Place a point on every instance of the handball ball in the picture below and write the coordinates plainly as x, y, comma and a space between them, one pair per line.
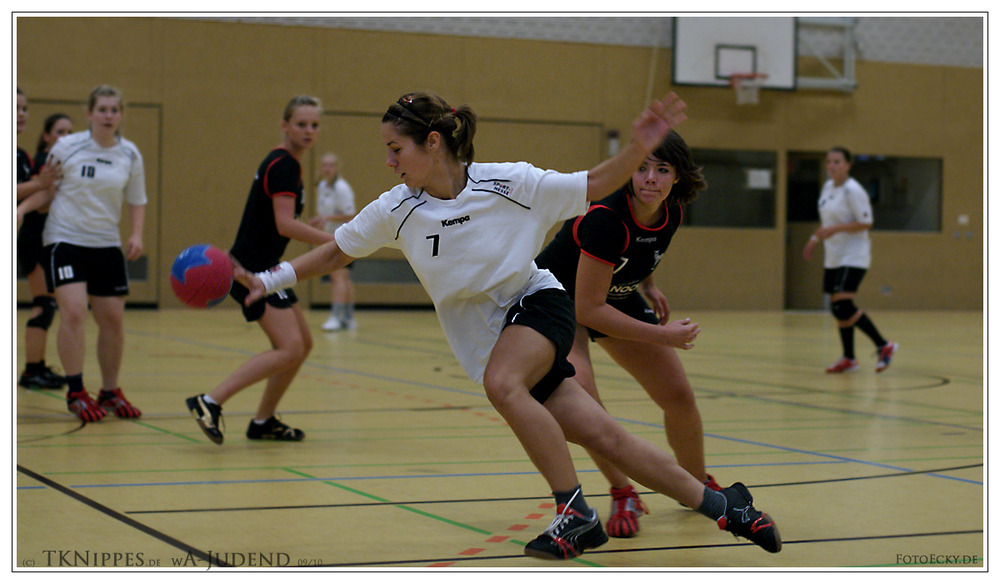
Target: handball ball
201, 276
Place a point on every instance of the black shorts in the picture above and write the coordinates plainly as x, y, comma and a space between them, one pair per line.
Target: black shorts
633, 305
30, 251
550, 312
842, 279
280, 299
102, 268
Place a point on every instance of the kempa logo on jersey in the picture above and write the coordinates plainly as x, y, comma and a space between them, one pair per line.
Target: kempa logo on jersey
645, 240
455, 221
102, 161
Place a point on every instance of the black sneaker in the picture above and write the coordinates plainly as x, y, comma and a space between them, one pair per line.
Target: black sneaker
274, 429
569, 534
208, 416
741, 519
45, 379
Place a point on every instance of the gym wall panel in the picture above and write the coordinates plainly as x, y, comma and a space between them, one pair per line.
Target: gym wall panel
222, 87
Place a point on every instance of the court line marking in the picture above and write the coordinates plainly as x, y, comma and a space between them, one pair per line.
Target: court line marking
594, 552
425, 514
531, 472
385, 502
191, 550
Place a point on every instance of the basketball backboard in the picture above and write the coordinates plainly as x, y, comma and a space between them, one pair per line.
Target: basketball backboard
708, 50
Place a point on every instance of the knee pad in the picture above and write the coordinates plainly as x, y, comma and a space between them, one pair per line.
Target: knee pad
843, 309
44, 319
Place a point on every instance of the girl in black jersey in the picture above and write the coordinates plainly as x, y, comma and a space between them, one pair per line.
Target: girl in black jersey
606, 259
270, 221
32, 177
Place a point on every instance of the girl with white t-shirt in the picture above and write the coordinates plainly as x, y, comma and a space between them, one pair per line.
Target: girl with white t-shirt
334, 207
471, 232
86, 260
845, 214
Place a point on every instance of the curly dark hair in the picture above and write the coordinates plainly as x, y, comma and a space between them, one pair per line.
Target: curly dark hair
675, 151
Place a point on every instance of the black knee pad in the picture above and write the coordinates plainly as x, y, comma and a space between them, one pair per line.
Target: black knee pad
44, 319
843, 309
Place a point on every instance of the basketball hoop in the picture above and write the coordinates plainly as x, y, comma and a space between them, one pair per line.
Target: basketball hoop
747, 86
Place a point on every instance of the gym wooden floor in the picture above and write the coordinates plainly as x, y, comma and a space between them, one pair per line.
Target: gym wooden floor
406, 465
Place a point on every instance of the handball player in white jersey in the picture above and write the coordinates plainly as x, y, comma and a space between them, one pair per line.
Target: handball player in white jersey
845, 214
471, 232
86, 263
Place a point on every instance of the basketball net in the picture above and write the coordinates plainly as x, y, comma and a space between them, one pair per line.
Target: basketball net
747, 86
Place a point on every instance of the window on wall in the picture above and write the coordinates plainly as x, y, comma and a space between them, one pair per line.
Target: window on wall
741, 189
905, 192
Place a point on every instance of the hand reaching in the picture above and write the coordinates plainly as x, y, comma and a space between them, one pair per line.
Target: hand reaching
50, 173
249, 280
656, 121
681, 334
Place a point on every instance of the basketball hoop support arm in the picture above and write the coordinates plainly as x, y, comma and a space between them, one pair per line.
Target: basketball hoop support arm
842, 80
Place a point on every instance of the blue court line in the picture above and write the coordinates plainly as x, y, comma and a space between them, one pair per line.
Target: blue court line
366, 478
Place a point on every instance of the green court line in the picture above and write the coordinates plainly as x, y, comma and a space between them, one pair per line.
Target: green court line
423, 513
165, 431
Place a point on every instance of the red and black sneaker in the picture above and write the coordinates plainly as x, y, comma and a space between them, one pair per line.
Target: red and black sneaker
842, 365
710, 483
626, 507
112, 400
569, 534
885, 354
84, 406
741, 519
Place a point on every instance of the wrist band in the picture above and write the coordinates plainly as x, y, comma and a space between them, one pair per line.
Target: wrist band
277, 278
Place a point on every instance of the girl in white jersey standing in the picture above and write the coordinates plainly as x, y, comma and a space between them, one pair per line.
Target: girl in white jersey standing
845, 214
334, 207
86, 261
471, 232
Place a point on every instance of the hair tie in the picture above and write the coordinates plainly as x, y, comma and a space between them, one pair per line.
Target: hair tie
452, 111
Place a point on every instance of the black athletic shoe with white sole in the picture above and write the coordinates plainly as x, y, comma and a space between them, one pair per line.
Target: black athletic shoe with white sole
274, 429
44, 379
569, 534
208, 416
741, 519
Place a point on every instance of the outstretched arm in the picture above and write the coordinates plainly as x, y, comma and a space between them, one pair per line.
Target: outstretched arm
324, 259
648, 131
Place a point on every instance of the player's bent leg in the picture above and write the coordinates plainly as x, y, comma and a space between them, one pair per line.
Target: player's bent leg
626, 506
586, 423
289, 334
520, 358
732, 509
660, 372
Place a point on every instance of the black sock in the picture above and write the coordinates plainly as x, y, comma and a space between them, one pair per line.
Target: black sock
75, 382
868, 327
573, 498
847, 340
713, 504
